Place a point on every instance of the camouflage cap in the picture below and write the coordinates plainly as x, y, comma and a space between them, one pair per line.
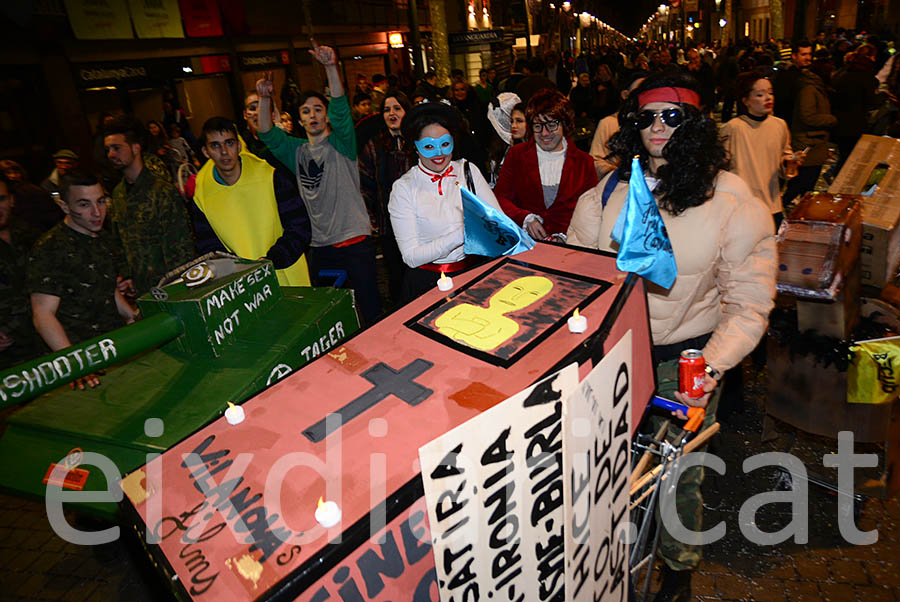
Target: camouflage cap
65, 153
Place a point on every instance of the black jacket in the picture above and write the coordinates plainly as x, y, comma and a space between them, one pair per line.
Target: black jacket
786, 86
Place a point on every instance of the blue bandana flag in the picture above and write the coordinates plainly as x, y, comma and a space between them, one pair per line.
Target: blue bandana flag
644, 246
489, 231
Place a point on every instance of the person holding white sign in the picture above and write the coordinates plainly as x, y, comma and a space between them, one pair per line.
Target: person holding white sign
723, 241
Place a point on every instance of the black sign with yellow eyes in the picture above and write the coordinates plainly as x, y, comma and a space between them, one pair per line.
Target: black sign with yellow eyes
506, 312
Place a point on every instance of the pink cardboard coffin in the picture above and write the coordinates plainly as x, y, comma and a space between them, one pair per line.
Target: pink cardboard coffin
229, 512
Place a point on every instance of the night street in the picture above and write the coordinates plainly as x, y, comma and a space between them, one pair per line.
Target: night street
38, 565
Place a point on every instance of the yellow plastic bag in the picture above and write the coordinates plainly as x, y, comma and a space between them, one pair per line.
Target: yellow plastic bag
874, 372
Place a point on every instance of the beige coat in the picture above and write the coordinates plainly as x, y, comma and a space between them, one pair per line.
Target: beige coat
726, 257
757, 150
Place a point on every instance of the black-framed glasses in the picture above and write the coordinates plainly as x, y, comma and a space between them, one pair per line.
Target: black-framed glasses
550, 126
671, 117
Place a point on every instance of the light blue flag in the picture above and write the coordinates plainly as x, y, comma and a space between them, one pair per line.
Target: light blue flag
489, 231
644, 246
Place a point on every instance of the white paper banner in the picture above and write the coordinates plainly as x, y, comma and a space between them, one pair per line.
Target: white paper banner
494, 487
597, 446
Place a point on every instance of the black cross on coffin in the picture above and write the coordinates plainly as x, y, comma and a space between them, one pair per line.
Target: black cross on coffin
387, 381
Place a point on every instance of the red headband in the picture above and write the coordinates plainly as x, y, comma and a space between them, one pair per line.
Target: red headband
669, 94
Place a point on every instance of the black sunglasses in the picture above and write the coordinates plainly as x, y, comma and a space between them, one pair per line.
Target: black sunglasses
671, 117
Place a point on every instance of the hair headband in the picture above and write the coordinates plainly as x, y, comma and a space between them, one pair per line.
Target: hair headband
669, 94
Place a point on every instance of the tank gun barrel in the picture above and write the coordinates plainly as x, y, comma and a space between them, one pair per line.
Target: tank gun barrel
28, 380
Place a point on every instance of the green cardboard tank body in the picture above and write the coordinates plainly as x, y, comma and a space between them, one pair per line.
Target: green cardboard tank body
196, 349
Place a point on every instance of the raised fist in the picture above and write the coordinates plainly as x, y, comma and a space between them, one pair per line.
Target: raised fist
264, 86
324, 54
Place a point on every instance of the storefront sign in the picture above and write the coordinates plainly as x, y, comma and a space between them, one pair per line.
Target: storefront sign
127, 74
263, 60
201, 18
395, 39
156, 18
215, 63
98, 75
99, 21
473, 38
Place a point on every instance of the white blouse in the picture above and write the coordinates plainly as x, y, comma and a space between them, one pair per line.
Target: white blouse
427, 216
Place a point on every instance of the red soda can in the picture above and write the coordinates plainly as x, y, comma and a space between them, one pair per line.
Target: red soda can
691, 373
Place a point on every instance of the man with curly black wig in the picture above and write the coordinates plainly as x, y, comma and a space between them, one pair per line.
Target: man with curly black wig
724, 246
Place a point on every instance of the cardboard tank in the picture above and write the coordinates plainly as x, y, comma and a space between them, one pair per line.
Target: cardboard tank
220, 330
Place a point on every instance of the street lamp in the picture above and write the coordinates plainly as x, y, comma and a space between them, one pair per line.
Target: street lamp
664, 12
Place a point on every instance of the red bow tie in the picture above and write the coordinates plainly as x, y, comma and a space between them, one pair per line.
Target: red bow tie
439, 178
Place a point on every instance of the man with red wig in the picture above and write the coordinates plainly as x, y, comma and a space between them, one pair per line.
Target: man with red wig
541, 180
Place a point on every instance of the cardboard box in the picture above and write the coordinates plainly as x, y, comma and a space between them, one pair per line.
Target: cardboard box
863, 164
812, 397
873, 170
880, 251
836, 318
818, 245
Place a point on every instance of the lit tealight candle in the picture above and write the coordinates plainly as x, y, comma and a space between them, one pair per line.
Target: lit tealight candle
445, 282
327, 513
577, 323
234, 414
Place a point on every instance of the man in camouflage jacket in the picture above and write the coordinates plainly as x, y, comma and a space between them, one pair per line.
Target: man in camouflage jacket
73, 271
147, 214
17, 342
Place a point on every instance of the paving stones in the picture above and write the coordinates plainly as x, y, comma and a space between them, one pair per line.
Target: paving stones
824, 568
802, 590
875, 593
837, 592
39, 565
848, 571
884, 573
765, 589
782, 569
813, 570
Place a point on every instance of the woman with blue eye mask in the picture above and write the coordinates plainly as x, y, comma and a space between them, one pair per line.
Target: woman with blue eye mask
426, 203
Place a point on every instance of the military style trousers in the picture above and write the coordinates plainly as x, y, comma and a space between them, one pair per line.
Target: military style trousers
678, 555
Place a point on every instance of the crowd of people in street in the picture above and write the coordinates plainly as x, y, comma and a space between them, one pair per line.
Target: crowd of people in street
331, 179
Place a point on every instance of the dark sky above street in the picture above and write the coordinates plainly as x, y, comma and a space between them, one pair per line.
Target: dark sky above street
627, 16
